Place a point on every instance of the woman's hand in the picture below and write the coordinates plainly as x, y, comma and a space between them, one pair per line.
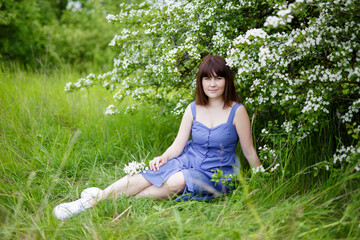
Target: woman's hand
157, 162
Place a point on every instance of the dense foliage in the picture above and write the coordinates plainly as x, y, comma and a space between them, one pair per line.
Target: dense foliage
41, 33
297, 64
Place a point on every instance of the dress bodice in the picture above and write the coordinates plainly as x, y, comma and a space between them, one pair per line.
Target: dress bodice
215, 146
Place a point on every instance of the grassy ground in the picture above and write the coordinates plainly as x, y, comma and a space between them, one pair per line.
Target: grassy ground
53, 145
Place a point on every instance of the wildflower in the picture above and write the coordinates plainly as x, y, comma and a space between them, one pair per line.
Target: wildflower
111, 110
74, 6
68, 87
134, 167
275, 167
258, 169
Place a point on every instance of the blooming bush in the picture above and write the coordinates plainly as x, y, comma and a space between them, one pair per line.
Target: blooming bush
296, 60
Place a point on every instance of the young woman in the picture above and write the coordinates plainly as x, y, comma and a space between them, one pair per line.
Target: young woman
216, 121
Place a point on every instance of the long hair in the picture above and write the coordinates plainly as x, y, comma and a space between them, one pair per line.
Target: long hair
213, 66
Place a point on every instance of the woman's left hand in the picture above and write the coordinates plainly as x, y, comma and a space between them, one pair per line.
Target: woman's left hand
157, 162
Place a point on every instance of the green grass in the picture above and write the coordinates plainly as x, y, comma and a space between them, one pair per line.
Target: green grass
53, 145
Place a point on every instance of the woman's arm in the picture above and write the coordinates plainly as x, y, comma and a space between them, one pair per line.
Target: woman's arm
243, 129
179, 143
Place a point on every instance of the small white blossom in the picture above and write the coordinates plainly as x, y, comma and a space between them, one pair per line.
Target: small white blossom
134, 167
275, 167
74, 6
258, 169
68, 87
111, 110
287, 126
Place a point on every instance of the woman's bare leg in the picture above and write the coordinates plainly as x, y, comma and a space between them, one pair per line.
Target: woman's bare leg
128, 185
174, 185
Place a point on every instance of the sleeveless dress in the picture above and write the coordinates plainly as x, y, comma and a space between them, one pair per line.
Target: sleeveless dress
209, 149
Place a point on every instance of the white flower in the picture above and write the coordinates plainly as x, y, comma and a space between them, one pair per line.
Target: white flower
111, 110
135, 167
287, 126
258, 169
74, 6
256, 32
275, 167
111, 17
68, 86
273, 21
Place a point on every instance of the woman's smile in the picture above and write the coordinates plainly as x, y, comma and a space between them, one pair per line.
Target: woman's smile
213, 86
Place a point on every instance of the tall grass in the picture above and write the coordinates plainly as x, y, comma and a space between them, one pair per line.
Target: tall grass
54, 145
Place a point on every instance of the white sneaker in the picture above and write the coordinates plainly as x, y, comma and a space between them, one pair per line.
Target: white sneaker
90, 193
67, 210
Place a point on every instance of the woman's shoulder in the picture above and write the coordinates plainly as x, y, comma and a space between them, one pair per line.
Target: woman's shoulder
240, 111
233, 103
189, 111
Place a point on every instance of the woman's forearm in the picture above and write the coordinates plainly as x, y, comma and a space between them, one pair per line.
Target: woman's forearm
171, 152
252, 158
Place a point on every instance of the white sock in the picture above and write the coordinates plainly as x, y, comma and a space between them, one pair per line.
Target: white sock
90, 192
67, 210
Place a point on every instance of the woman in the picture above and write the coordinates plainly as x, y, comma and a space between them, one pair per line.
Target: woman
216, 121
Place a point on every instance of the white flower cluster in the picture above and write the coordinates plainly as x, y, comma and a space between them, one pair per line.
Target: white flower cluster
111, 18
250, 36
258, 169
302, 135
345, 153
353, 110
268, 151
288, 126
111, 110
119, 95
354, 72
179, 108
134, 167
284, 15
274, 167
74, 6
130, 109
265, 132
81, 83
256, 32
314, 103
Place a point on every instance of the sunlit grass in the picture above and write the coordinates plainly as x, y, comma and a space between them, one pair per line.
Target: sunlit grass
53, 145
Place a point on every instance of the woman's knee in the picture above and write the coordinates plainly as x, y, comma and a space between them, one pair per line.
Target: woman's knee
176, 182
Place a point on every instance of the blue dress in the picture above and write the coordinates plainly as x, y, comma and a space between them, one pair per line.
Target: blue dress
209, 149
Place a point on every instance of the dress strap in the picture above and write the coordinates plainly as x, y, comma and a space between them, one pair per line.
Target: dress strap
193, 110
232, 113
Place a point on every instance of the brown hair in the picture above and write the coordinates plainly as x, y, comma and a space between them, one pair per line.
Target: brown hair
210, 66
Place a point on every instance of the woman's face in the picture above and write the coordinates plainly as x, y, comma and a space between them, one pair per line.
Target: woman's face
213, 86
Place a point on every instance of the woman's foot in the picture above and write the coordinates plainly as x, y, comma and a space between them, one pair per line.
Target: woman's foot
67, 210
90, 193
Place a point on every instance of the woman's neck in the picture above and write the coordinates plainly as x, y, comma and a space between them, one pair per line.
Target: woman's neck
216, 103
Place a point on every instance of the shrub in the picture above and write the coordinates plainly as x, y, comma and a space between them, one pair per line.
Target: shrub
297, 64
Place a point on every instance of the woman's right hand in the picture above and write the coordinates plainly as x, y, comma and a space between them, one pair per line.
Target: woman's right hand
157, 162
